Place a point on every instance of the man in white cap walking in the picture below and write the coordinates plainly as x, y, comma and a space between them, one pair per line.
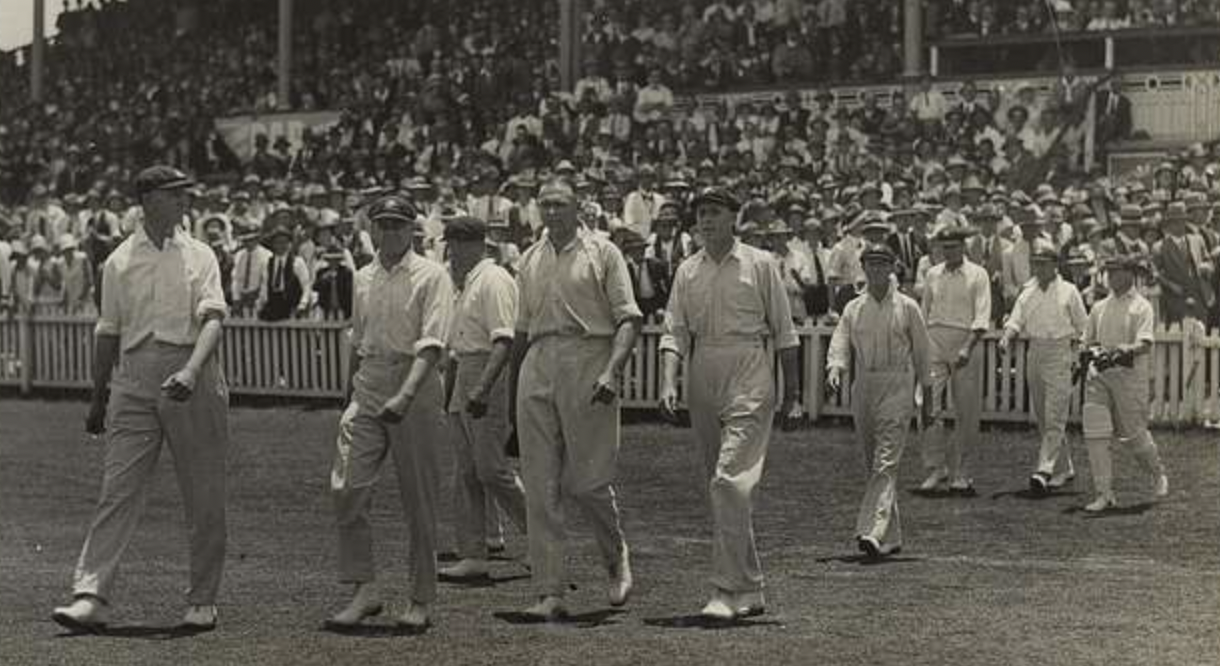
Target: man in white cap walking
883, 338
1051, 314
728, 314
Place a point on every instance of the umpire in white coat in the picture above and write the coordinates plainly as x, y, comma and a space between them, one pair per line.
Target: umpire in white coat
883, 338
728, 314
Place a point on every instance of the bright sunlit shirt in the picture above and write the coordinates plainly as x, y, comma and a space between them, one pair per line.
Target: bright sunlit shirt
401, 311
582, 289
1054, 313
959, 298
740, 298
882, 336
164, 294
486, 309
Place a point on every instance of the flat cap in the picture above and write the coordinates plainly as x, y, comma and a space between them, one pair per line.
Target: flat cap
878, 252
1176, 210
465, 228
161, 177
953, 234
392, 207
1123, 262
718, 196
1043, 250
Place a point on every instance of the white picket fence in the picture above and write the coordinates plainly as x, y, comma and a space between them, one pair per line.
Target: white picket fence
310, 360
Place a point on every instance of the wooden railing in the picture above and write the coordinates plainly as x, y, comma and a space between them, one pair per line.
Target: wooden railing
310, 360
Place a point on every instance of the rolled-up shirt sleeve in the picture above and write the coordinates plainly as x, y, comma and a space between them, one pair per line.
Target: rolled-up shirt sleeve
211, 303
500, 307
779, 311
436, 313
618, 287
110, 320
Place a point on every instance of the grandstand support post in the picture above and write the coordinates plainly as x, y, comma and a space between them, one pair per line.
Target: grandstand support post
283, 91
570, 13
38, 50
912, 38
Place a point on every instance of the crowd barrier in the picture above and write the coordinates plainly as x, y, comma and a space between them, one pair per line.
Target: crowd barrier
310, 360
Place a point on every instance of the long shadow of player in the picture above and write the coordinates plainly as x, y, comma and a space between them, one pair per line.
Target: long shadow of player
1033, 495
1132, 510
138, 631
867, 560
706, 623
590, 620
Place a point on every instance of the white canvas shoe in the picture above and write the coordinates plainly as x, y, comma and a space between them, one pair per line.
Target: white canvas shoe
750, 604
934, 480
1160, 486
415, 617
84, 614
1102, 503
465, 569
548, 609
200, 618
364, 604
720, 607
621, 582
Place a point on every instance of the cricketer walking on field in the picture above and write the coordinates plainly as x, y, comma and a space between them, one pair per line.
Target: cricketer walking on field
728, 314
883, 339
1120, 333
1050, 313
481, 341
402, 309
161, 311
576, 327
957, 308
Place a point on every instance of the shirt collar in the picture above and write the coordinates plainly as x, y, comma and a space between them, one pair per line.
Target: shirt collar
141, 237
477, 270
402, 265
579, 238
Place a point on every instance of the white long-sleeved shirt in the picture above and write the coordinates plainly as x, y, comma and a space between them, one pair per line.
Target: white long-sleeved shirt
881, 335
1053, 313
958, 298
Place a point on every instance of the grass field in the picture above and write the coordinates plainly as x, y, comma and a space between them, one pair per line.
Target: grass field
998, 579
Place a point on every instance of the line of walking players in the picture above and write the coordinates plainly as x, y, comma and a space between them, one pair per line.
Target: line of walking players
574, 323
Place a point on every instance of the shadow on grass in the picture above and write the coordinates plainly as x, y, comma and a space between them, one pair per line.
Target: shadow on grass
705, 623
373, 630
944, 494
1035, 496
1132, 510
141, 632
589, 620
481, 581
868, 561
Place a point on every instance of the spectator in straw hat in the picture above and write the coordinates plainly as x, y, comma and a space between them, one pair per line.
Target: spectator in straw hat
883, 339
163, 338
1050, 314
75, 274
1121, 330
286, 289
957, 306
249, 271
